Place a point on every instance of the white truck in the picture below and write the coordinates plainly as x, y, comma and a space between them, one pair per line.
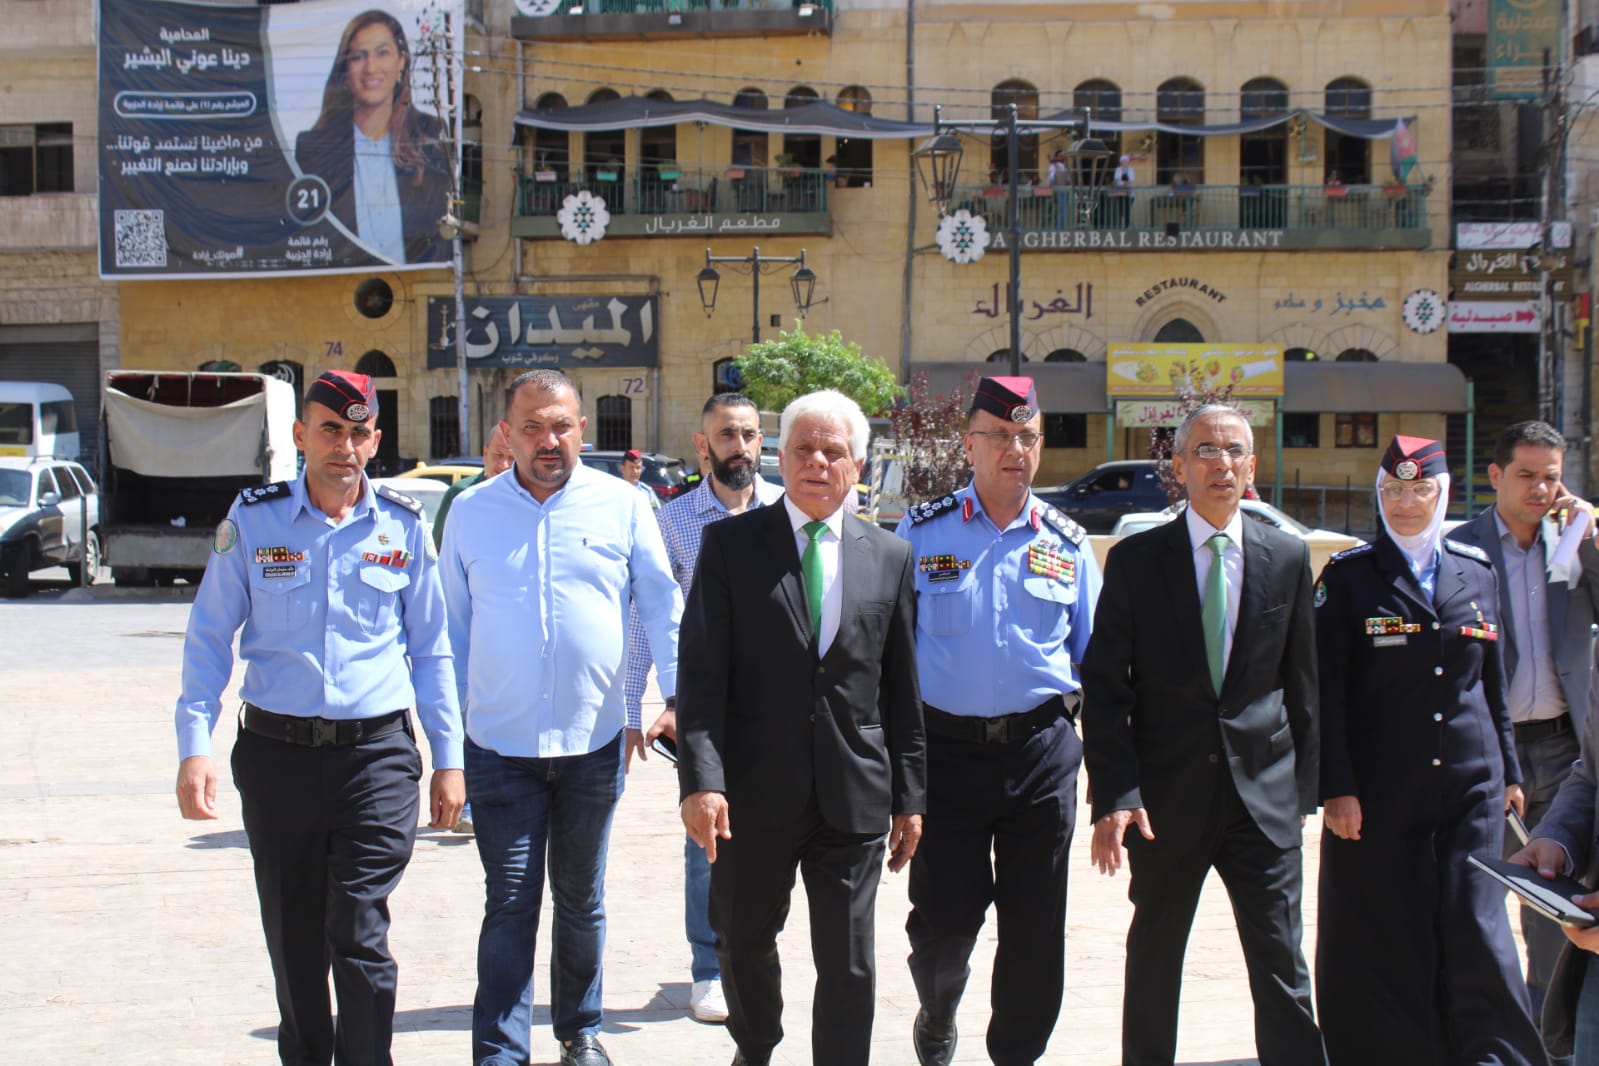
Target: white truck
175, 449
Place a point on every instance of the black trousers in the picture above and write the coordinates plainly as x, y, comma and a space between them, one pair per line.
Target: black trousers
997, 831
751, 882
1265, 884
331, 830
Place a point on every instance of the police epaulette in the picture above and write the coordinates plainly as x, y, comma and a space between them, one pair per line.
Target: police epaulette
1350, 553
409, 503
1470, 551
1063, 525
258, 493
931, 509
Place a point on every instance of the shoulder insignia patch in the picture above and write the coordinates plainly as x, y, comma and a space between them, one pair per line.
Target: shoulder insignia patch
1470, 551
1063, 525
1321, 594
409, 503
1350, 553
932, 509
257, 493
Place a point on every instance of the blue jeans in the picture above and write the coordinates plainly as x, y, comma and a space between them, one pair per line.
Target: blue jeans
697, 913
524, 809
1587, 1021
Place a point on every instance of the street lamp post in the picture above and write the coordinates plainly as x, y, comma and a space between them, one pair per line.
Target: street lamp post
803, 283
938, 161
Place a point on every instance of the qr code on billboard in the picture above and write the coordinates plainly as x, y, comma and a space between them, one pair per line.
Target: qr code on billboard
141, 238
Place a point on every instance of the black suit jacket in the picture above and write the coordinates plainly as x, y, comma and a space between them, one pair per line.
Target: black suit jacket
330, 154
762, 719
1154, 726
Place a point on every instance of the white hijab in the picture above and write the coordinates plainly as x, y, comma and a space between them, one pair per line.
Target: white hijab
1419, 548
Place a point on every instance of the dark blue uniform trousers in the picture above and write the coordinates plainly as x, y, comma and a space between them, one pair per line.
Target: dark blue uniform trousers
331, 830
997, 830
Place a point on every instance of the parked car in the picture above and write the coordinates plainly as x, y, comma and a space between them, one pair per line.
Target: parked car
445, 475
427, 491
661, 472
42, 504
1259, 510
1101, 496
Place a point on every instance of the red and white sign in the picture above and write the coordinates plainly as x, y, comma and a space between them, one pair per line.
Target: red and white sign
1493, 316
1510, 234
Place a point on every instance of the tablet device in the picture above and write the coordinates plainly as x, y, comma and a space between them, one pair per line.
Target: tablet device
1552, 899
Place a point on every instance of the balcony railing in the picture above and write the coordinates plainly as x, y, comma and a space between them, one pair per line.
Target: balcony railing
663, 191
1366, 215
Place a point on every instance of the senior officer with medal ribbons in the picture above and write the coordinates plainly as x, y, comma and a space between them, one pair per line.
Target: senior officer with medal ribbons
1414, 960
1006, 588
344, 631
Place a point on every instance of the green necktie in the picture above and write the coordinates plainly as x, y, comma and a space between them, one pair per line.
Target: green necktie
811, 567
1214, 613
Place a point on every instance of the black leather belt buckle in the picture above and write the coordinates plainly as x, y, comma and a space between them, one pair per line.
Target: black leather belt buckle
996, 730
324, 733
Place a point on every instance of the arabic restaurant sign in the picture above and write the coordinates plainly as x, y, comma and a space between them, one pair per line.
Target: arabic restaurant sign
1508, 275
558, 332
1169, 413
1493, 316
1503, 235
226, 143
1168, 369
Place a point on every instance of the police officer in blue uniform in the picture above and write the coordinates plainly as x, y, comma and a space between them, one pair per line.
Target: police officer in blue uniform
1006, 587
344, 630
1415, 961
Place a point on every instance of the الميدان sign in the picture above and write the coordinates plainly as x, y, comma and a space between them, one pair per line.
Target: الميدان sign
532, 332
241, 141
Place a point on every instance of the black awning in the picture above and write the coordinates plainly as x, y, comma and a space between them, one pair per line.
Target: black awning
1063, 388
1372, 129
631, 112
1348, 388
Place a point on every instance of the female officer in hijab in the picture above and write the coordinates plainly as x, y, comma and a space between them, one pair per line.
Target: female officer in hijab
1414, 959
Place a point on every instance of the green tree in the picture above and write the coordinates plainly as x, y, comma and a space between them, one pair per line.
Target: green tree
796, 363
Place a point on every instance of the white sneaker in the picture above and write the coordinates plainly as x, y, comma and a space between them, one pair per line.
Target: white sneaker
705, 1001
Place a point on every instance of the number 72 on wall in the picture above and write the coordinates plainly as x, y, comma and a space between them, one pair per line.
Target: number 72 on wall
634, 386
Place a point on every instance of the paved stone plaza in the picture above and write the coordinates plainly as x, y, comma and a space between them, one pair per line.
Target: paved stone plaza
132, 936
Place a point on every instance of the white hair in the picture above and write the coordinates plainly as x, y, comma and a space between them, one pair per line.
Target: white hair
1210, 410
834, 406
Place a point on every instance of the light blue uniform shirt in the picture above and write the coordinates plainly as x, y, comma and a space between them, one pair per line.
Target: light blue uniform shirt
378, 218
1003, 616
331, 611
538, 596
683, 520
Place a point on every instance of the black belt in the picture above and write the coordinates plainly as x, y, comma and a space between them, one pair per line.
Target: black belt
322, 732
1529, 732
1006, 728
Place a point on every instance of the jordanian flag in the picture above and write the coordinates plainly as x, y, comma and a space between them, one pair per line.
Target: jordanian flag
1402, 151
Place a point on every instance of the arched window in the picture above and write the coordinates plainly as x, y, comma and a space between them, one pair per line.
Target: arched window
1263, 156
1180, 158
1025, 97
291, 372
1299, 355
1065, 355
471, 158
658, 168
374, 364
1348, 157
749, 146
1179, 331
615, 423
604, 156
853, 163
1357, 355
551, 149
444, 427
802, 149
1103, 99
1002, 355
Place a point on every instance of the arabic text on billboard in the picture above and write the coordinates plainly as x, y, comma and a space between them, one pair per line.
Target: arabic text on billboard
1521, 34
1168, 369
547, 331
280, 139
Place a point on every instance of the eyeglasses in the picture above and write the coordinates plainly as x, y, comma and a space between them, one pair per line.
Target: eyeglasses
1002, 440
1394, 491
1212, 452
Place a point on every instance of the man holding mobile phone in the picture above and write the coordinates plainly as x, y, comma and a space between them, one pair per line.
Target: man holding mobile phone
1548, 641
730, 441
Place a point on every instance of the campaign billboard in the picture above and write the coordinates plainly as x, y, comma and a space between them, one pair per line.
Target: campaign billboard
280, 139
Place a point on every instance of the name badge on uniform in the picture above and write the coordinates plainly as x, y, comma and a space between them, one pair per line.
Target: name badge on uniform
398, 558
279, 555
279, 571
1046, 558
942, 567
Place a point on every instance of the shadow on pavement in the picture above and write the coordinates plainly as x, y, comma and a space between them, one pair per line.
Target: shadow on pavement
232, 838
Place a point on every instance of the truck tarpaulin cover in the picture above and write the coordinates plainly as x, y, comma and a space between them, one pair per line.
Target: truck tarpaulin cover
162, 440
299, 138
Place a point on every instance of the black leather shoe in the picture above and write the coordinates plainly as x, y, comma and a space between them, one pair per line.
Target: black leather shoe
934, 1040
584, 1051
740, 1060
